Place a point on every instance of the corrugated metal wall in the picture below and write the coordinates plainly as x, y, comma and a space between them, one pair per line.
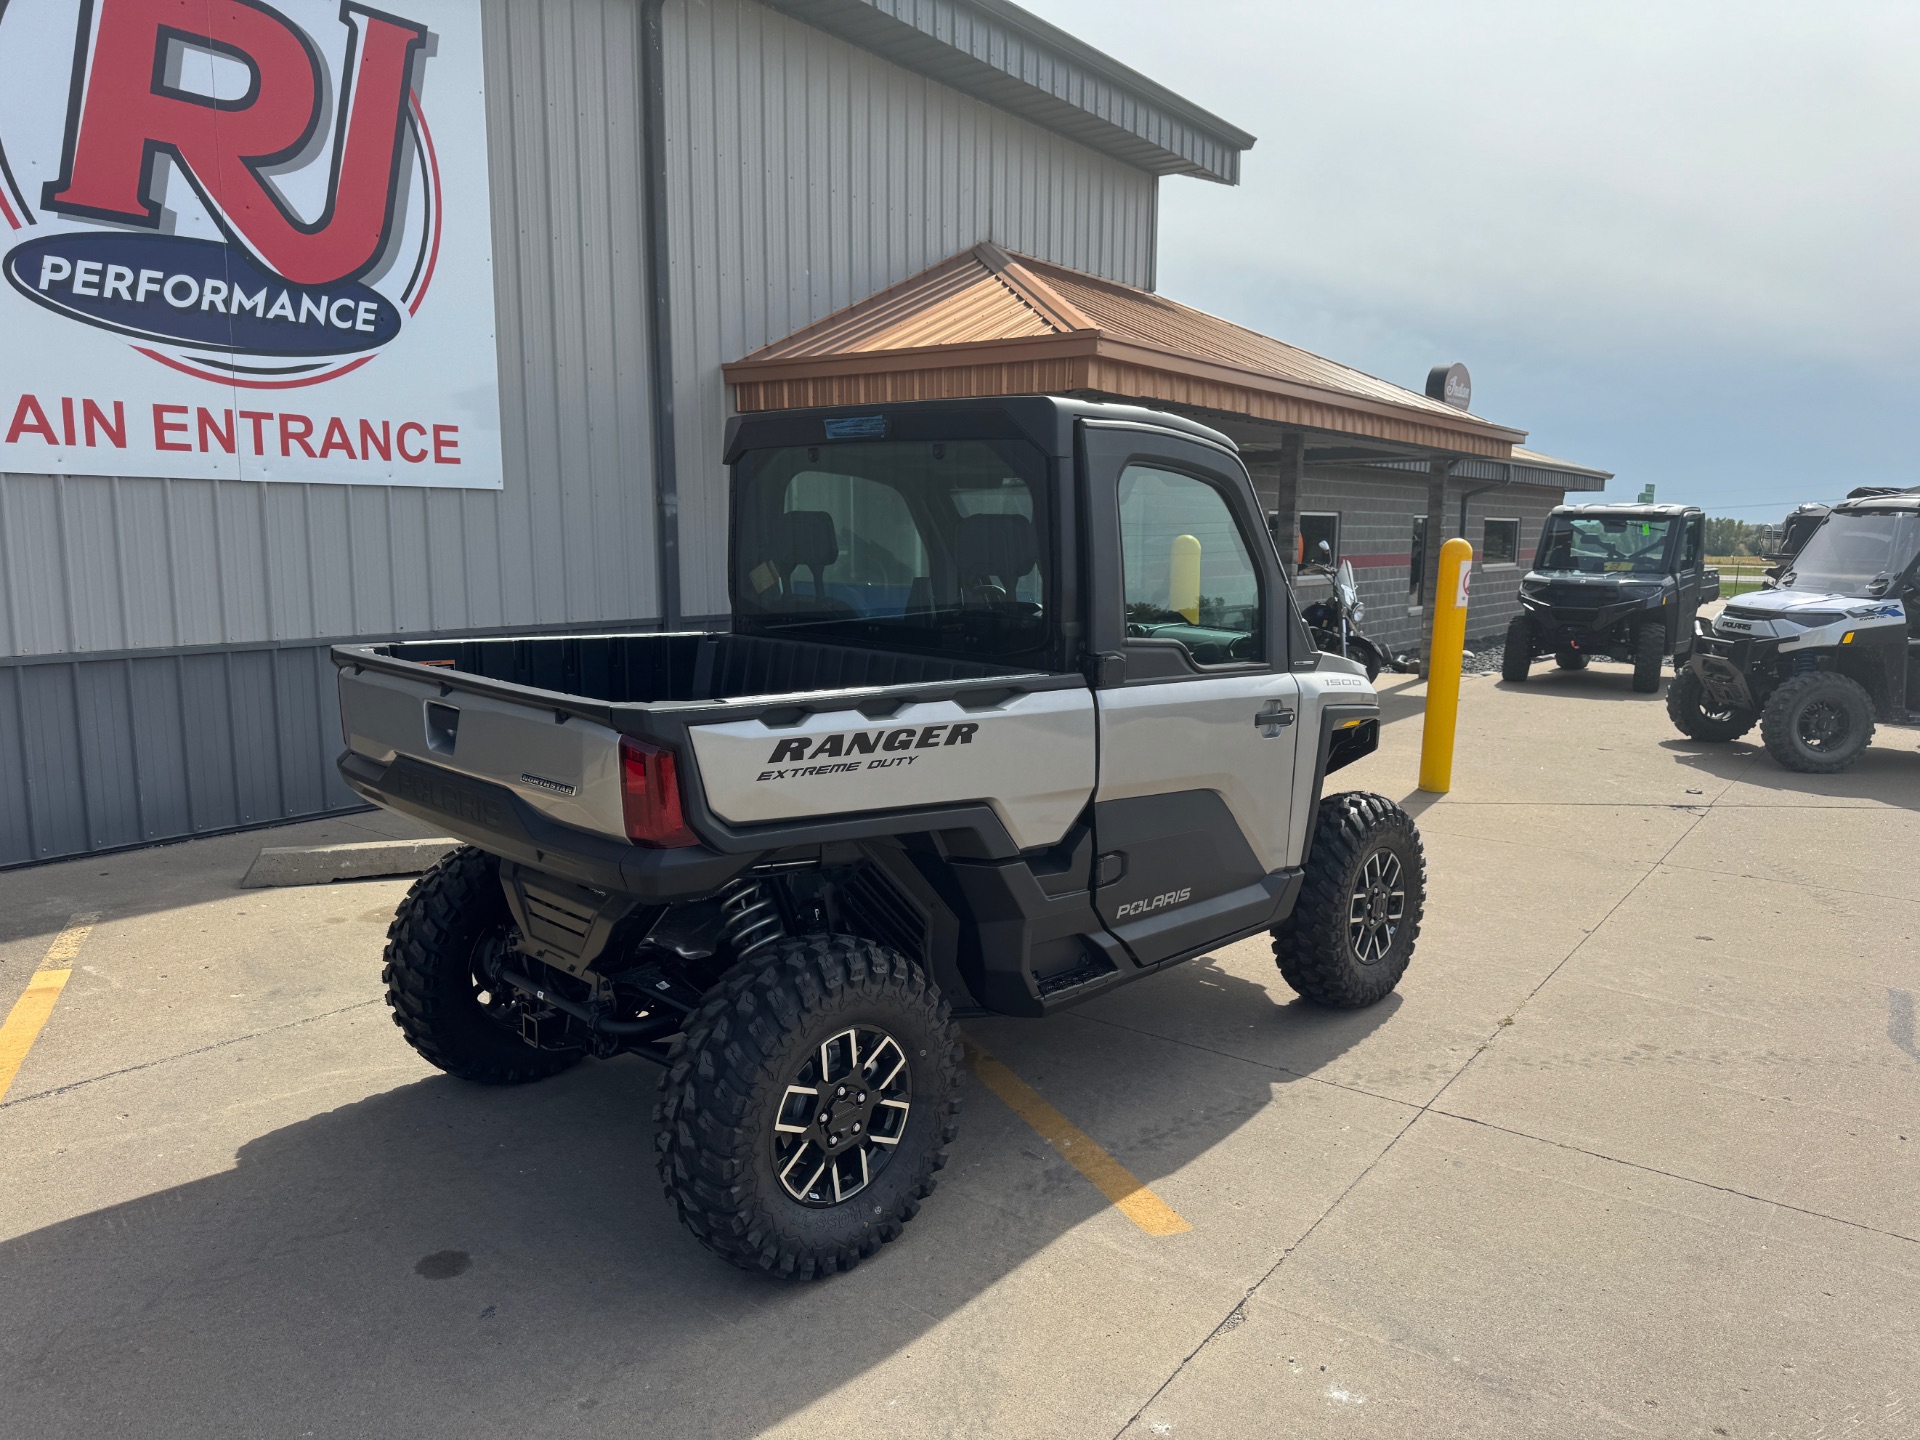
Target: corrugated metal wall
807, 174
96, 564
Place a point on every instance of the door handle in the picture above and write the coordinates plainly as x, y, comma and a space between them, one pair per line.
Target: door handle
1273, 719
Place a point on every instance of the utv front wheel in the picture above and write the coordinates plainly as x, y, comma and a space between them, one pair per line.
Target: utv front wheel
1694, 713
1517, 659
449, 933
1817, 723
1649, 649
1352, 931
807, 1106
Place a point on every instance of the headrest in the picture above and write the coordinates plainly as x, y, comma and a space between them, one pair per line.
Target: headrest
807, 538
1003, 546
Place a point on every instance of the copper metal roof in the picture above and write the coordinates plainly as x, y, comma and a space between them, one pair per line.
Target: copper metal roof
989, 323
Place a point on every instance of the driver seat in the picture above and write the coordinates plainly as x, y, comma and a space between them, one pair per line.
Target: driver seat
994, 550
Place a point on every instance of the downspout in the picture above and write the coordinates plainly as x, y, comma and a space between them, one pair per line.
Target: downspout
666, 478
1474, 494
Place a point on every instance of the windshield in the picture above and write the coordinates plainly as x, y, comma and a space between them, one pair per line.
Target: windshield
938, 546
1857, 553
1605, 544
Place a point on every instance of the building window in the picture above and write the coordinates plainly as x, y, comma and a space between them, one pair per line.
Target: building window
1318, 530
1417, 568
1500, 542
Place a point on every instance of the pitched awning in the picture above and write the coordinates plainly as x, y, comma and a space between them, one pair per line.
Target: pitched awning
990, 323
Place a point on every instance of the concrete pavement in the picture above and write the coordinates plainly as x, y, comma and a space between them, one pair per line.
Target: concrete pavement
1633, 1151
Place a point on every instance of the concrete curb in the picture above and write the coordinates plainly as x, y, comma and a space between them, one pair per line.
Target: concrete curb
321, 864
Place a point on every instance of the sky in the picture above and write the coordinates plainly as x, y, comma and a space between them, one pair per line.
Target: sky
1672, 240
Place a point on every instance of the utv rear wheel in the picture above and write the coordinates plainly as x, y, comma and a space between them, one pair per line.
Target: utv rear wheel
1649, 649
1817, 723
1570, 660
1352, 931
1517, 659
1694, 713
451, 923
807, 1106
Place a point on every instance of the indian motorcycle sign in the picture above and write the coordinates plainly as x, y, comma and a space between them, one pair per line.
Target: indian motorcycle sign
246, 240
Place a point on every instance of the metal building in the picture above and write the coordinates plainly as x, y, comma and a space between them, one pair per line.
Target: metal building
689, 179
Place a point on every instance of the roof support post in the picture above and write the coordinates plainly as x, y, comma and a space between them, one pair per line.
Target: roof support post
666, 462
1276, 476
1437, 474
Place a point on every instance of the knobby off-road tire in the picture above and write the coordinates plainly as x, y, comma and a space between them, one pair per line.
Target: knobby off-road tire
1818, 723
1688, 707
1649, 649
1353, 929
440, 1000
1517, 658
1570, 660
745, 1051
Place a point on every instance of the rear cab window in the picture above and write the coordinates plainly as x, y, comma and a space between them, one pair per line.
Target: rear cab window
938, 547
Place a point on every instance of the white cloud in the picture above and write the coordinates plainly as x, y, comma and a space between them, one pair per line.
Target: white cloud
1713, 176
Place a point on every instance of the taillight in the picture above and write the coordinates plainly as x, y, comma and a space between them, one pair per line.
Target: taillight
650, 794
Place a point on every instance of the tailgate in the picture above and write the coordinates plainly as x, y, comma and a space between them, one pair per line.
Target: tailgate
562, 764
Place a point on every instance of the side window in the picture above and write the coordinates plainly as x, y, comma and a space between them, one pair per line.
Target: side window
1189, 575
1417, 568
1318, 530
1690, 545
1500, 542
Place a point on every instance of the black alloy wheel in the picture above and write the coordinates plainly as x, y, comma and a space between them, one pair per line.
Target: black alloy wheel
1818, 723
1649, 649
1516, 659
445, 948
1352, 931
843, 1117
810, 1099
1696, 714
1377, 907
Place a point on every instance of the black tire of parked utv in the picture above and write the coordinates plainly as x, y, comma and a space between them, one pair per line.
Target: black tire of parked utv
1687, 708
1649, 649
727, 1079
448, 914
1314, 946
1787, 710
1570, 660
1517, 658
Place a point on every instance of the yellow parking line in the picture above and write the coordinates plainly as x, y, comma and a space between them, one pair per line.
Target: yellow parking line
1077, 1148
31, 1012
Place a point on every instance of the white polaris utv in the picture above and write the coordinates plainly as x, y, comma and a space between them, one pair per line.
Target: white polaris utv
1824, 653
1015, 707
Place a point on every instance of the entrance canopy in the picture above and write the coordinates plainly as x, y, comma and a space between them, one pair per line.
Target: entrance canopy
986, 322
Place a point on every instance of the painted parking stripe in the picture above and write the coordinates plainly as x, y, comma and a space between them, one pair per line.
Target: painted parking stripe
1077, 1148
33, 1009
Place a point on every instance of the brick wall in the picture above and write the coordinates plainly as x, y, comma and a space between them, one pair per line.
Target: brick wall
1376, 533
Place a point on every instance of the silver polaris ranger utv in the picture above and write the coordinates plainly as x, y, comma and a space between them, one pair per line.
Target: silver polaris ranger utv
1824, 653
1015, 707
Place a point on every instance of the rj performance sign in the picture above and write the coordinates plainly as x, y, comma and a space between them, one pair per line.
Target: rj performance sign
246, 240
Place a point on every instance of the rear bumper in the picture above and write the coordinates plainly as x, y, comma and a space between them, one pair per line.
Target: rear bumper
498, 821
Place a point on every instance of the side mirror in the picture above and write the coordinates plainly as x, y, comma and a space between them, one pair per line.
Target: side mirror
1325, 549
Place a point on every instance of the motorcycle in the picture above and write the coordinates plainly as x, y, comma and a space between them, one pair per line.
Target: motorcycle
1334, 622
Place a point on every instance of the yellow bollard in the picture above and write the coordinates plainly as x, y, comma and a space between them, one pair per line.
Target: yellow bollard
1183, 578
1443, 666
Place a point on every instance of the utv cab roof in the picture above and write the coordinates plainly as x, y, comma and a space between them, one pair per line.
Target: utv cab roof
1626, 511
1895, 500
